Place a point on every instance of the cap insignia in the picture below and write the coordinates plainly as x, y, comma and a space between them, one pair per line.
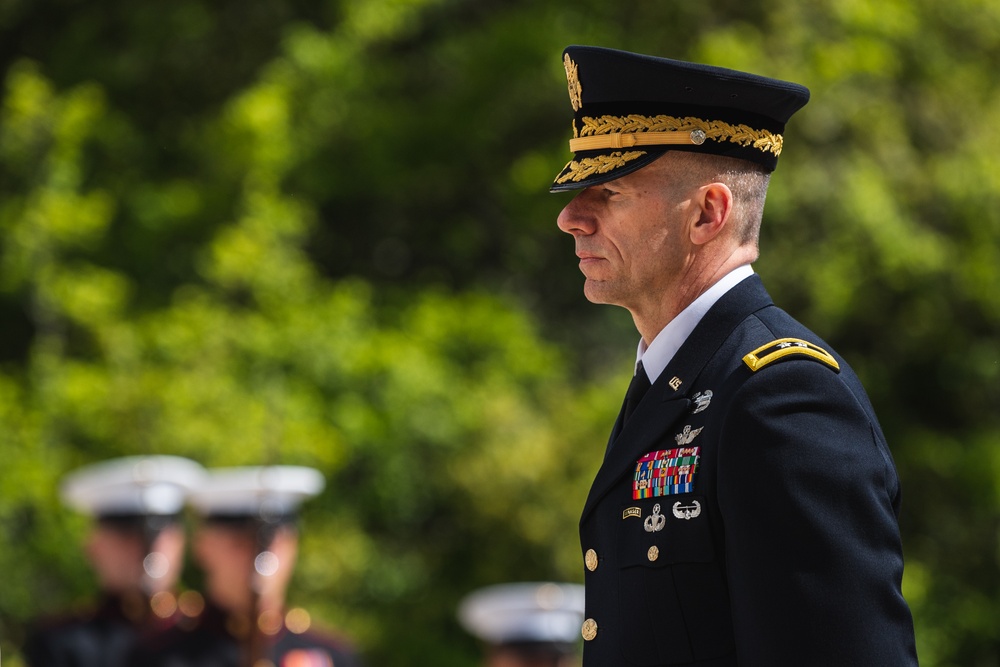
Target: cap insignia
577, 170
575, 89
783, 347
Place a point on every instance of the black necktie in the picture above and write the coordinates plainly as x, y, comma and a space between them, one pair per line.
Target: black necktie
636, 390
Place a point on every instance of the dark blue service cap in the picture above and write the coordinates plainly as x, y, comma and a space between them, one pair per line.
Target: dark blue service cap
629, 109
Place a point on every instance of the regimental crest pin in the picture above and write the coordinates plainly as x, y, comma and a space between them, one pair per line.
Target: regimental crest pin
701, 401
573, 79
688, 435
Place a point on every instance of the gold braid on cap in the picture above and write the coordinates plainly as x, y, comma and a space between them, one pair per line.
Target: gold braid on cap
573, 80
597, 133
576, 171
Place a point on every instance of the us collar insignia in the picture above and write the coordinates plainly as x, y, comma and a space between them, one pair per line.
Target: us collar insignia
665, 472
572, 78
687, 436
701, 401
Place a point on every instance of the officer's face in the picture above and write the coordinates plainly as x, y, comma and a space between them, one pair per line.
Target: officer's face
227, 555
630, 236
116, 556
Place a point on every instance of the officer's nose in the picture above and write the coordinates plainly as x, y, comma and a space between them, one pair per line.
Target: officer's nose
576, 218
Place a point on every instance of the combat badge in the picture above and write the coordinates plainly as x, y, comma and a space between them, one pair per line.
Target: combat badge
687, 512
701, 401
665, 472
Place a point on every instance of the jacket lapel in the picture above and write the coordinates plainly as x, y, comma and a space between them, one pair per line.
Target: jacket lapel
667, 400
647, 425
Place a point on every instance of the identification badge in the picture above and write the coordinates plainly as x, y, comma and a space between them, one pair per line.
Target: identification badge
665, 472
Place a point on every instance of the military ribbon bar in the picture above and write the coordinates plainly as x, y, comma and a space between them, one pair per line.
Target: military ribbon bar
665, 472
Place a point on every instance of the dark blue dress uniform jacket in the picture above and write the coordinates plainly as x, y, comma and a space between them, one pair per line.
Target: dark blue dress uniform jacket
786, 550
99, 637
210, 642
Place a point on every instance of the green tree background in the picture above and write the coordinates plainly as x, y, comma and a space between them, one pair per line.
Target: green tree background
319, 233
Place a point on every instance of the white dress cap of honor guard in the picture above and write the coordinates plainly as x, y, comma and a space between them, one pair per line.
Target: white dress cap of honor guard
264, 492
132, 486
524, 613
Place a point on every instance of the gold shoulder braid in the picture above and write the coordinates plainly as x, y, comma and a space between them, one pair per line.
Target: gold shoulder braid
602, 164
783, 347
716, 130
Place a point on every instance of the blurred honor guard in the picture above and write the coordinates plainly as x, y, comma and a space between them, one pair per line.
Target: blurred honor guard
745, 512
136, 548
246, 545
526, 624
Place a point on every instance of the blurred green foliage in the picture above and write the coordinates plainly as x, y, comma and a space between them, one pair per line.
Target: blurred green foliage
320, 233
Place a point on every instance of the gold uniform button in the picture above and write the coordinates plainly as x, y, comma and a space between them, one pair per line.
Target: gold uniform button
591, 560
589, 629
653, 553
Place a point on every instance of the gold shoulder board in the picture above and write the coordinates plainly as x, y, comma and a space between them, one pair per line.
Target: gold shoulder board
784, 347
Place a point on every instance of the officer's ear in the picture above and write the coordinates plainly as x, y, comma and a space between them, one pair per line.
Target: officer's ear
714, 203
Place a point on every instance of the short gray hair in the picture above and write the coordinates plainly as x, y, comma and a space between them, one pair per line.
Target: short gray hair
747, 181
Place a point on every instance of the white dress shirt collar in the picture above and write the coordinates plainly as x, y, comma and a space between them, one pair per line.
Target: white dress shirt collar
658, 354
